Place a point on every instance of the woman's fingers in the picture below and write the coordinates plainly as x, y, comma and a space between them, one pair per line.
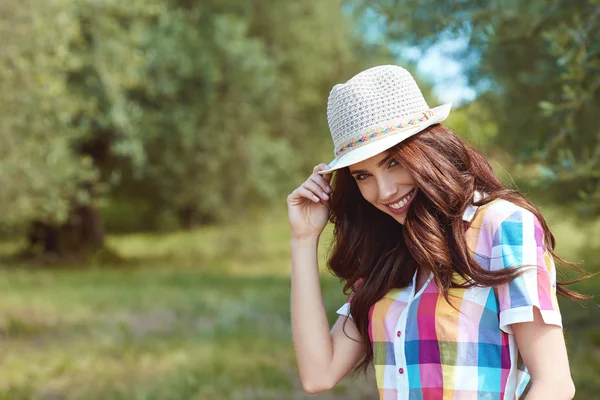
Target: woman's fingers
316, 188
323, 167
320, 167
321, 182
311, 185
307, 194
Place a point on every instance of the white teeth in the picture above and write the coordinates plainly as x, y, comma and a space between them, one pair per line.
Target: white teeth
401, 203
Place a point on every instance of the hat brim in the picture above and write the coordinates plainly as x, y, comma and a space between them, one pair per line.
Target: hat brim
369, 150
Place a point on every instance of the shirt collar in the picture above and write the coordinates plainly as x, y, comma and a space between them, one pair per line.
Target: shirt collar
471, 209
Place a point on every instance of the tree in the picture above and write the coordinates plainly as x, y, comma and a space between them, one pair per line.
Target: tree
41, 178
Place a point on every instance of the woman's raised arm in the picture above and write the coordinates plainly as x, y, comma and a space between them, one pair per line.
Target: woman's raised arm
323, 357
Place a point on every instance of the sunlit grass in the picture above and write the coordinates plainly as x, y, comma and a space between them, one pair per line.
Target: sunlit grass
200, 315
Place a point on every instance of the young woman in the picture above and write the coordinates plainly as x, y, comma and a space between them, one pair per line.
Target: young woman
452, 276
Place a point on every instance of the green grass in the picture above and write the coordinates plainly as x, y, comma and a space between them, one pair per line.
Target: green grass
200, 315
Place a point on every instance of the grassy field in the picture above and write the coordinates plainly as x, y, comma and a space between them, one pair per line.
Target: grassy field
201, 315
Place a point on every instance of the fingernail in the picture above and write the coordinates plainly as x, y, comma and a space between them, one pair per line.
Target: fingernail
325, 196
315, 198
328, 189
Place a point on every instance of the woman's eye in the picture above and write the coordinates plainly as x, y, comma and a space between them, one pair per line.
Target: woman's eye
393, 163
360, 177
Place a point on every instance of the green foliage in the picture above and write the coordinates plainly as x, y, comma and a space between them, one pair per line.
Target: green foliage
475, 124
536, 66
188, 120
209, 107
39, 174
194, 110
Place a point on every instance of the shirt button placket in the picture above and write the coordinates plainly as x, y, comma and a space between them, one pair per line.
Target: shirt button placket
400, 370
400, 356
399, 341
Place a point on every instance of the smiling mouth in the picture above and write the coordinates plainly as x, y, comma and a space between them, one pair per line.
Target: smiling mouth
403, 201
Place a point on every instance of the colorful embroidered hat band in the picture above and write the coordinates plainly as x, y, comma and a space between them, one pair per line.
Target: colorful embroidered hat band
382, 133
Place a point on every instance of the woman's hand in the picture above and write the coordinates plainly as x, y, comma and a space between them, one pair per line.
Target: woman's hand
308, 205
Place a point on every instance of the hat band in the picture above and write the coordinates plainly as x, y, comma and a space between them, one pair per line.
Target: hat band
382, 133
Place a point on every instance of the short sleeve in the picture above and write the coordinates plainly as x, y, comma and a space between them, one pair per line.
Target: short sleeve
345, 309
519, 242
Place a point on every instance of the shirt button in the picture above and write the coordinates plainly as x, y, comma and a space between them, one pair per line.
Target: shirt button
401, 370
398, 333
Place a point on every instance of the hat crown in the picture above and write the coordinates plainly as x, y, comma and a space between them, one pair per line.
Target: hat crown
373, 100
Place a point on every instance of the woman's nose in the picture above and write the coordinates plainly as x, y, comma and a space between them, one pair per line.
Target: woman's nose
388, 190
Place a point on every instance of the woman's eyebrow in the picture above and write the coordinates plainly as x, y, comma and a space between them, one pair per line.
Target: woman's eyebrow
385, 160
379, 165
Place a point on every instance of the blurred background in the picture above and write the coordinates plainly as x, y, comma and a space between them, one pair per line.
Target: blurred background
147, 148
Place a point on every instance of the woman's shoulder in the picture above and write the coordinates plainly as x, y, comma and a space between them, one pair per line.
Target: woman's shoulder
492, 215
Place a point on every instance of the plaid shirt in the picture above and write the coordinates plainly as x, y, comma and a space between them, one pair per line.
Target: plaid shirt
425, 349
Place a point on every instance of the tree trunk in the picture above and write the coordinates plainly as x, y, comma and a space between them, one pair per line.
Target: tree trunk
189, 217
82, 234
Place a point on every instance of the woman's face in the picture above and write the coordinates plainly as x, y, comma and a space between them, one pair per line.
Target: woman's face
387, 185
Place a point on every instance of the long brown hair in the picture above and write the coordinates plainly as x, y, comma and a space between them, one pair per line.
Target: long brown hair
372, 253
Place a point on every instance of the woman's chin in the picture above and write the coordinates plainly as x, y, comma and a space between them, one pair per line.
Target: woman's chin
400, 218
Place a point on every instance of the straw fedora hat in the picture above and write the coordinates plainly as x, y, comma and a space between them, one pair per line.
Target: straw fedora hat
374, 111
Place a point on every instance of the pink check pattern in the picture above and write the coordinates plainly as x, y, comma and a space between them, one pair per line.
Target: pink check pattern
426, 349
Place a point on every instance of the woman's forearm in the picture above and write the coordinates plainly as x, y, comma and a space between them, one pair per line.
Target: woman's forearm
310, 328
